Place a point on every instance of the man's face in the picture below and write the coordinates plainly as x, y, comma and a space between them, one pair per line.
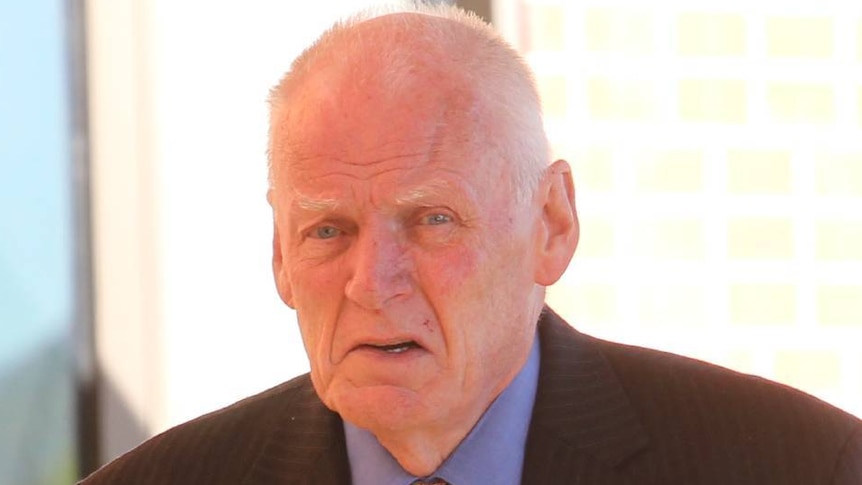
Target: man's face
400, 246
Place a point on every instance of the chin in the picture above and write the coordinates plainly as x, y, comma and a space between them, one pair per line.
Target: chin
387, 408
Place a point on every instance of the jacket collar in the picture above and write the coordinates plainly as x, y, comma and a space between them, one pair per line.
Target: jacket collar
306, 445
581, 410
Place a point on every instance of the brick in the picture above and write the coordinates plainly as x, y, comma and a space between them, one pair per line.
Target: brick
759, 171
553, 90
859, 40
839, 305
672, 306
672, 171
762, 304
612, 99
809, 370
547, 28
671, 239
721, 101
618, 30
597, 238
801, 102
839, 174
760, 238
594, 170
809, 37
590, 303
701, 34
839, 240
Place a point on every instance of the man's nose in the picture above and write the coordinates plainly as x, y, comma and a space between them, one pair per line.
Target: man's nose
380, 269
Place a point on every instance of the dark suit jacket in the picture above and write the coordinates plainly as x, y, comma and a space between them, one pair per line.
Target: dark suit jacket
605, 413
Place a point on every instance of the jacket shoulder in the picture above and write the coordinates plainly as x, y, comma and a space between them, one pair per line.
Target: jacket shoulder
218, 447
706, 412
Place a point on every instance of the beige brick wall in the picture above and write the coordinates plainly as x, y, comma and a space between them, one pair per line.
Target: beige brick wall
839, 305
621, 30
839, 240
711, 34
620, 99
548, 28
839, 174
670, 239
554, 92
762, 304
799, 36
860, 103
717, 156
809, 369
673, 306
794, 101
598, 301
760, 238
593, 168
718, 100
759, 171
859, 40
597, 240
671, 171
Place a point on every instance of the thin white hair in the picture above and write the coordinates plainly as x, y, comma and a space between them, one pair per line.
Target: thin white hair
502, 81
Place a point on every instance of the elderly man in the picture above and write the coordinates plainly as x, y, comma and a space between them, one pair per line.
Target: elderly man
417, 222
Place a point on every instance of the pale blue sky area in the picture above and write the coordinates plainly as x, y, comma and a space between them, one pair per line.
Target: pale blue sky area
35, 182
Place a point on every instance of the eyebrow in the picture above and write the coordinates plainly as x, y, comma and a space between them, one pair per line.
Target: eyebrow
434, 189
428, 191
316, 205
417, 194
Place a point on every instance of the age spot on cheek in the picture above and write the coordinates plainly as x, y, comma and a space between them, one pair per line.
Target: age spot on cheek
427, 325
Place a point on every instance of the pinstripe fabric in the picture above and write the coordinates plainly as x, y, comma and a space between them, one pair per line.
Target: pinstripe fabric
614, 414
282, 436
605, 414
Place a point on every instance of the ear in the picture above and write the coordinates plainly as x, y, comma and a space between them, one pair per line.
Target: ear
558, 227
282, 279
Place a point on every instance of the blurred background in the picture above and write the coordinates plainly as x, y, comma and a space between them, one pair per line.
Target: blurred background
717, 152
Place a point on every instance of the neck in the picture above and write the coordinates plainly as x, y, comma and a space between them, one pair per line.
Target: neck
421, 452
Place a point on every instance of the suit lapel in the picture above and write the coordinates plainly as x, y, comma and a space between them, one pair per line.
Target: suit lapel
583, 425
307, 446
582, 429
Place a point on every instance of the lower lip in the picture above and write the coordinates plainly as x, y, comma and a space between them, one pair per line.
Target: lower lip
368, 366
409, 353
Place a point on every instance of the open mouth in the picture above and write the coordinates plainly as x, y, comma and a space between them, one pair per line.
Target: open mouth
395, 348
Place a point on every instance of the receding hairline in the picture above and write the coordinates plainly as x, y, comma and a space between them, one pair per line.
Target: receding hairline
496, 73
409, 14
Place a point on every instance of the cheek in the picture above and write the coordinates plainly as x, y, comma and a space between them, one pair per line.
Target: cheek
449, 272
317, 286
317, 291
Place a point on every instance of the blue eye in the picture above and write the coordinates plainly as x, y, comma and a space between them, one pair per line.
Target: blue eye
437, 219
325, 232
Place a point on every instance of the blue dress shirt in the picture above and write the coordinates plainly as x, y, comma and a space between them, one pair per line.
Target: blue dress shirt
493, 451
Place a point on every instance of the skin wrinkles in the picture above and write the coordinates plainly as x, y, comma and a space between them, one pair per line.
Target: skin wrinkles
449, 196
423, 243
451, 340
303, 164
441, 197
416, 195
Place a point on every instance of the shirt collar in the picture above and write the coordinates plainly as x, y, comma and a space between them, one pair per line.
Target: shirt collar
493, 451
